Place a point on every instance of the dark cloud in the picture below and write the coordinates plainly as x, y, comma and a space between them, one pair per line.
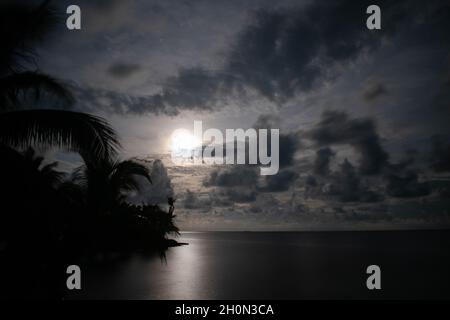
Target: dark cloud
347, 186
194, 89
237, 176
280, 182
158, 191
123, 70
238, 184
310, 181
374, 90
322, 161
336, 128
440, 155
241, 195
343, 185
289, 143
96, 100
278, 54
267, 121
406, 185
192, 202
242, 183
297, 48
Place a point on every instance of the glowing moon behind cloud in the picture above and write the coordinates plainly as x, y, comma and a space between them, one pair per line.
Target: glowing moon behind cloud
184, 143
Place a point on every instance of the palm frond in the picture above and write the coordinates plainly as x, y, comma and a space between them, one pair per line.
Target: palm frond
30, 84
80, 178
49, 167
52, 176
88, 135
130, 167
123, 175
31, 158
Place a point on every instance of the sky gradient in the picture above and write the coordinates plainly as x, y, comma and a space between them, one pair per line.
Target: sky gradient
363, 114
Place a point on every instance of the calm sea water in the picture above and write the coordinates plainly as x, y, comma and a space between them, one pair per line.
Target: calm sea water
267, 265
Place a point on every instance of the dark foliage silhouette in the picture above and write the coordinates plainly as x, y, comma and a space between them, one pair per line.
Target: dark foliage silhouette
21, 124
106, 182
48, 218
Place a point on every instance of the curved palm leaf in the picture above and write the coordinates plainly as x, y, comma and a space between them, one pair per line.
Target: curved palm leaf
17, 85
52, 176
79, 177
105, 181
46, 172
31, 158
122, 175
91, 136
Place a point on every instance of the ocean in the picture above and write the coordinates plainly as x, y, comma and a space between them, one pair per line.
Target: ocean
280, 265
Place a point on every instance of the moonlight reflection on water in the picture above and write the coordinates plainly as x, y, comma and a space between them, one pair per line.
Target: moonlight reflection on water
281, 265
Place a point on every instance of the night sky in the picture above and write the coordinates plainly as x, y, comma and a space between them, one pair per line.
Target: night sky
363, 114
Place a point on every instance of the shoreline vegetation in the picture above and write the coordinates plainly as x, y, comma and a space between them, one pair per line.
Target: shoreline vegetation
52, 219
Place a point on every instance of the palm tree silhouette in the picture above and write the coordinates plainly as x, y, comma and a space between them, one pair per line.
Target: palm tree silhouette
47, 173
51, 227
21, 28
106, 182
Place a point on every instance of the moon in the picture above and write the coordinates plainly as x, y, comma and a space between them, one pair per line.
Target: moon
184, 143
